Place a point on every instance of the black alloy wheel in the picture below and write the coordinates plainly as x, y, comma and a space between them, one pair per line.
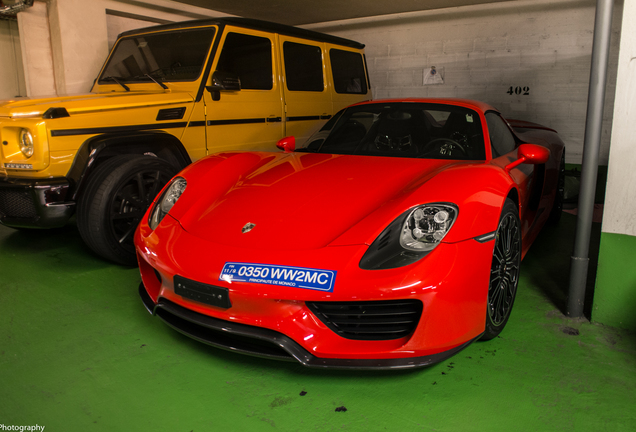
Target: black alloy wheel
504, 271
117, 196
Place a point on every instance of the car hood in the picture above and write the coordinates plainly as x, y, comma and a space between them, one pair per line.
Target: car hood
297, 201
90, 102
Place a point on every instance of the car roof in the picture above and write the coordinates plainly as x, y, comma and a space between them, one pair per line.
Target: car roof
250, 24
467, 103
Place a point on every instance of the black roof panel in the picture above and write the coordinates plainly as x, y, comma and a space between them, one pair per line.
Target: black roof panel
251, 24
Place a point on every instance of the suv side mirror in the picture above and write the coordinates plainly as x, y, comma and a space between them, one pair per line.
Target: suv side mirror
223, 81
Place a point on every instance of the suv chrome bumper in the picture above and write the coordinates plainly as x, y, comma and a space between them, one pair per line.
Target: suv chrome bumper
35, 203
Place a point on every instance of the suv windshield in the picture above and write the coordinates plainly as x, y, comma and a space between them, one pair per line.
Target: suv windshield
402, 129
166, 56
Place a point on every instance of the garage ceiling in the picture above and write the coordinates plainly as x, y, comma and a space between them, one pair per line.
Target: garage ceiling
298, 12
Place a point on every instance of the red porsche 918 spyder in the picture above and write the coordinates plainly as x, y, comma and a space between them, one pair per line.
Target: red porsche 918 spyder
391, 239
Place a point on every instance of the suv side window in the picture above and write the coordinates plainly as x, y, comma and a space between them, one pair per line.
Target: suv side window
348, 72
250, 57
303, 67
501, 139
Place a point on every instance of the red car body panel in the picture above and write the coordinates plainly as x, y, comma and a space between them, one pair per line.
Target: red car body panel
323, 211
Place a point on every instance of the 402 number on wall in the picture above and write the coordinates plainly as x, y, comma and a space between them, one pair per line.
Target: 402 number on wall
523, 91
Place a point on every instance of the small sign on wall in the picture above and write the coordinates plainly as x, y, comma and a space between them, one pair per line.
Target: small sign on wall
519, 91
433, 76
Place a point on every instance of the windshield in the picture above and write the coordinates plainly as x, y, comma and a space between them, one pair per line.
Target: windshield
402, 129
166, 56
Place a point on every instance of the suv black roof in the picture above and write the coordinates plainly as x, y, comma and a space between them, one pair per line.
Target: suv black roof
252, 24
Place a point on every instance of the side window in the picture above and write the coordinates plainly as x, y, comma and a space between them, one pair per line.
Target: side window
303, 67
250, 57
348, 72
501, 139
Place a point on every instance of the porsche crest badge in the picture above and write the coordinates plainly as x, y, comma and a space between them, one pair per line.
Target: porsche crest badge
248, 227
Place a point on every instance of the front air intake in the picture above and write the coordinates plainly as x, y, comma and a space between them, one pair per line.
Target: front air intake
369, 320
17, 204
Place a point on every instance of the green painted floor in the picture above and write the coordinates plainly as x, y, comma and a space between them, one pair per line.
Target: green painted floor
78, 352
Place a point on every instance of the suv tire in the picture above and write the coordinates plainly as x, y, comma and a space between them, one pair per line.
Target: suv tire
117, 196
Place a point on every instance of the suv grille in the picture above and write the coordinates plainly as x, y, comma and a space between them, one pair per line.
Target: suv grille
17, 204
369, 320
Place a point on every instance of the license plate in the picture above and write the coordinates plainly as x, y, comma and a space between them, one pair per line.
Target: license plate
203, 293
295, 277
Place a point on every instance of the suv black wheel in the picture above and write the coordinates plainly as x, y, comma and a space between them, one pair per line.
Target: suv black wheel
117, 196
504, 271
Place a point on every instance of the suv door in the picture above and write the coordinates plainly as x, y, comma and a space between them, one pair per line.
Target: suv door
349, 76
249, 118
307, 89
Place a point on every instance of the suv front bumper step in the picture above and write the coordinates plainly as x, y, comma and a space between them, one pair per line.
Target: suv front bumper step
35, 203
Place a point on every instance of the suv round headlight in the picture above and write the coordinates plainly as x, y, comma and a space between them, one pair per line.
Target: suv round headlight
26, 143
166, 201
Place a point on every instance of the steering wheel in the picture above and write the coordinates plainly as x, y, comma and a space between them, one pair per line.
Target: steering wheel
453, 143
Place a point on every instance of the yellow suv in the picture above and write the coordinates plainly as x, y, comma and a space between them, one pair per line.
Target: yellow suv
165, 97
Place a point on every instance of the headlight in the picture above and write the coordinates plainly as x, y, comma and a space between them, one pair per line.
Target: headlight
426, 226
166, 201
410, 237
26, 143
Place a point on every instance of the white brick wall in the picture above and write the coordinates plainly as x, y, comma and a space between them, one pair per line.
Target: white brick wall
486, 49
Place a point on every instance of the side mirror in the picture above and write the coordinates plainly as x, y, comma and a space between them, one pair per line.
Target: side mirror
287, 144
223, 81
530, 154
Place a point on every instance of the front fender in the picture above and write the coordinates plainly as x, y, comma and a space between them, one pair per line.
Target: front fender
480, 193
478, 190
211, 177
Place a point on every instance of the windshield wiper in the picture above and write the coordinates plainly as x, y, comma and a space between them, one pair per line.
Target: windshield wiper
108, 78
157, 80
153, 78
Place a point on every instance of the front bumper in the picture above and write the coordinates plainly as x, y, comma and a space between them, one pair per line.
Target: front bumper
451, 284
35, 203
266, 343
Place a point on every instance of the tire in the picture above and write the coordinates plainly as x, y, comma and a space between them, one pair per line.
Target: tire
557, 206
117, 196
504, 271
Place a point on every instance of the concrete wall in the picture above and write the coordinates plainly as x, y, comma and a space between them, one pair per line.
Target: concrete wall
78, 41
485, 50
11, 74
615, 294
